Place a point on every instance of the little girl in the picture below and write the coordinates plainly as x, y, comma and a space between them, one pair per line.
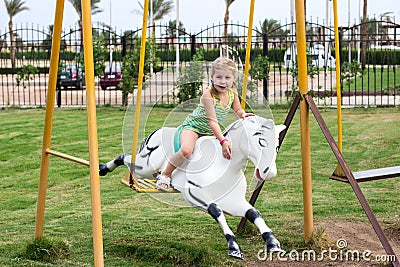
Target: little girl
214, 106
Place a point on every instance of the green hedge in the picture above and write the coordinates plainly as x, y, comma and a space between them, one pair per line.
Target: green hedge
212, 54
374, 57
41, 70
39, 55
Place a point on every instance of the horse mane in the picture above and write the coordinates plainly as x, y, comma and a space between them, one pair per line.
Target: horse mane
146, 140
235, 125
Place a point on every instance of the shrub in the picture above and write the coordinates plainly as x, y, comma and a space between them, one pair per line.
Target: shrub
190, 80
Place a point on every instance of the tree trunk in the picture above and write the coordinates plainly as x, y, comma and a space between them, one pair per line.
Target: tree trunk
226, 21
81, 35
12, 44
364, 36
125, 95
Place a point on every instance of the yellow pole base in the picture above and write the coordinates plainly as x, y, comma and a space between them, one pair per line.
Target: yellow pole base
339, 171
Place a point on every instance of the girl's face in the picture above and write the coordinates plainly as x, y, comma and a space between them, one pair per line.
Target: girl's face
223, 79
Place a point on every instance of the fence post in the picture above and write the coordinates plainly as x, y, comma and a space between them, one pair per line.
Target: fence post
192, 46
123, 40
341, 46
58, 88
341, 58
265, 54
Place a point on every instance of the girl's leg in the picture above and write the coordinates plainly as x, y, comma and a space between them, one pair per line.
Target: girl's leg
179, 159
188, 140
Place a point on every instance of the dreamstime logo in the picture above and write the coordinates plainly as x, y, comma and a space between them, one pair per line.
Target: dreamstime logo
340, 254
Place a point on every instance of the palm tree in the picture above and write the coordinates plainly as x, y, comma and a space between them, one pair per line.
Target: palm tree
364, 35
226, 18
161, 8
171, 30
78, 8
13, 8
269, 26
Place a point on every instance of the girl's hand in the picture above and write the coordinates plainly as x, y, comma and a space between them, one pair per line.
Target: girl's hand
244, 115
227, 150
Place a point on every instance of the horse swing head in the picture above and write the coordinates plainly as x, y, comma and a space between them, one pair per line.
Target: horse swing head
261, 144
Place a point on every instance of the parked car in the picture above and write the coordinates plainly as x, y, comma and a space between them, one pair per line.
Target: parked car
71, 76
112, 76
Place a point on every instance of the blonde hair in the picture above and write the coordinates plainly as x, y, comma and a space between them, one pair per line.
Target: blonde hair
223, 63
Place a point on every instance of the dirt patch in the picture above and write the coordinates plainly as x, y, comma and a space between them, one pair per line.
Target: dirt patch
357, 235
361, 235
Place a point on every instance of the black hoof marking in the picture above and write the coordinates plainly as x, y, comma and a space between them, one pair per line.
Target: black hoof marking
103, 170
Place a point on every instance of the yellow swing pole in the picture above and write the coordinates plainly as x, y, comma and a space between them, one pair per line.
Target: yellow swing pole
51, 94
248, 49
92, 134
338, 171
304, 120
140, 85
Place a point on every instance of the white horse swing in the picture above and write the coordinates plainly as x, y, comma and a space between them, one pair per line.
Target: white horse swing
209, 181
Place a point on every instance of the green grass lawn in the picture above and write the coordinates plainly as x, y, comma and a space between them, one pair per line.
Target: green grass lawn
375, 79
141, 230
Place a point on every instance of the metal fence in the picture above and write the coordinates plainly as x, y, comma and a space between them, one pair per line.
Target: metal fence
369, 63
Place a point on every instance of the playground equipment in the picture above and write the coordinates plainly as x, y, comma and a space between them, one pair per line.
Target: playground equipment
303, 100
148, 185
93, 162
306, 104
370, 175
209, 181
362, 176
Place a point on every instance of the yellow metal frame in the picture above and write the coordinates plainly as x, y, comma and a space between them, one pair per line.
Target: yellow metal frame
139, 186
304, 111
248, 50
304, 120
338, 171
130, 179
93, 162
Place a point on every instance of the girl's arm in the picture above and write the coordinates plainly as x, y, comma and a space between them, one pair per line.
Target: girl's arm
208, 103
237, 108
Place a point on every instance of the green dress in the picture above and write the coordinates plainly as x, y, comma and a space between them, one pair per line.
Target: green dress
198, 122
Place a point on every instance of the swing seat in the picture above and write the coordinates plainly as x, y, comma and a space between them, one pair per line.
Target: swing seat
371, 175
145, 185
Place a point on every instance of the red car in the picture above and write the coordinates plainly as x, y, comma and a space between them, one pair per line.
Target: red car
112, 76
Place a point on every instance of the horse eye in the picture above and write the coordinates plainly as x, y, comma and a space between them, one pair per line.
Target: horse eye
262, 142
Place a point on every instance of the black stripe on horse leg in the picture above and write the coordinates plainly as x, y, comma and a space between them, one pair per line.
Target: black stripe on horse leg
103, 170
214, 211
111, 165
252, 215
120, 160
271, 243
